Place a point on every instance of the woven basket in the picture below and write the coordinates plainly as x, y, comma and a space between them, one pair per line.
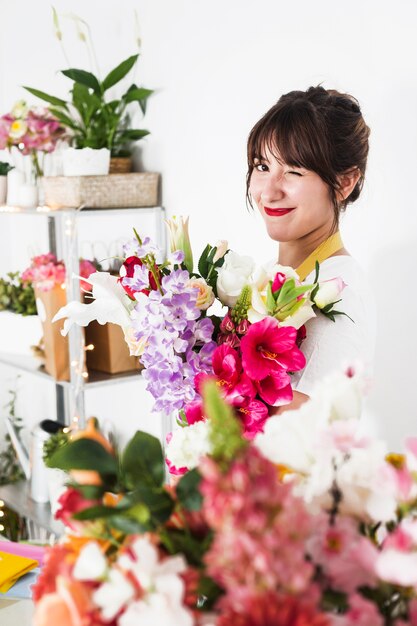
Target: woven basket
101, 192
120, 165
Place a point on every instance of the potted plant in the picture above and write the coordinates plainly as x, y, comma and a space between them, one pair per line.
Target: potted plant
96, 121
20, 327
4, 169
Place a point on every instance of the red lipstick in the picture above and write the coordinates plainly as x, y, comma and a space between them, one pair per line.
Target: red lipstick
277, 212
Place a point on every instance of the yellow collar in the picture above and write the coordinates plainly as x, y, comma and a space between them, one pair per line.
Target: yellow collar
320, 254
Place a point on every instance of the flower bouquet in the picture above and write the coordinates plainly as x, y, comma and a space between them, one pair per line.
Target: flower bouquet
168, 315
31, 130
256, 535
47, 277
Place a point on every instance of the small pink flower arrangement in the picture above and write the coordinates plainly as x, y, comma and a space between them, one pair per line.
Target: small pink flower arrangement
46, 272
30, 130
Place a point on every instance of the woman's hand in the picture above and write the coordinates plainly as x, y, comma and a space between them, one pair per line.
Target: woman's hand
297, 401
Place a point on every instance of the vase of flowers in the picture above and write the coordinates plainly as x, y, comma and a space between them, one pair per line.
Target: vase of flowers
28, 132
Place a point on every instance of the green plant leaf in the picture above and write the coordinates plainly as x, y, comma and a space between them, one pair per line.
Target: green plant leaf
131, 134
188, 491
138, 94
203, 266
143, 461
126, 524
270, 300
119, 72
157, 500
84, 454
83, 78
64, 119
225, 429
44, 96
96, 512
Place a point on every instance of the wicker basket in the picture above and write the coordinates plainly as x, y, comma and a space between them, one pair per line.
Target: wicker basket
120, 165
101, 192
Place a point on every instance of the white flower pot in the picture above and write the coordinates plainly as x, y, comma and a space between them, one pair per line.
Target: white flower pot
56, 486
18, 333
3, 190
86, 162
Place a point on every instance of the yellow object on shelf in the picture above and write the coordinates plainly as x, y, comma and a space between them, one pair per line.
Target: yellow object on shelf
12, 568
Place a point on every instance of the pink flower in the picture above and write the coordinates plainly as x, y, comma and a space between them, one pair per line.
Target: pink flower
346, 557
361, 612
269, 608
268, 348
194, 412
71, 502
275, 389
279, 280
253, 415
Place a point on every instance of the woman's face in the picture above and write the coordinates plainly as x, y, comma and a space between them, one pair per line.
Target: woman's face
293, 201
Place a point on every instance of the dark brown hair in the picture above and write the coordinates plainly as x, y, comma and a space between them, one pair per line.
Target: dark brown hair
318, 129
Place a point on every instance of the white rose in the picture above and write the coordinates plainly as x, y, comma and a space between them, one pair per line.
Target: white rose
234, 274
329, 291
205, 296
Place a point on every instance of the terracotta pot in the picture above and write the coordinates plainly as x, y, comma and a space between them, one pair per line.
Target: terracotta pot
120, 165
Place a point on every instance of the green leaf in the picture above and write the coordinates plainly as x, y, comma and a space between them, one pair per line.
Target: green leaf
225, 429
188, 491
317, 267
84, 454
143, 461
44, 96
96, 512
119, 72
158, 502
64, 119
127, 525
90, 492
138, 94
203, 266
83, 78
270, 300
131, 134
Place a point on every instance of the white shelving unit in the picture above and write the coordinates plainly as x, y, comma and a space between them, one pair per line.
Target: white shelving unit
63, 226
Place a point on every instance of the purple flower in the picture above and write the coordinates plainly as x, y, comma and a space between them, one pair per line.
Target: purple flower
139, 280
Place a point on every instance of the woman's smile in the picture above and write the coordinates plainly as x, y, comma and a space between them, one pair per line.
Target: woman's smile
278, 212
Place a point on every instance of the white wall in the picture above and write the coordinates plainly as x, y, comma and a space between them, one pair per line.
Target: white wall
216, 67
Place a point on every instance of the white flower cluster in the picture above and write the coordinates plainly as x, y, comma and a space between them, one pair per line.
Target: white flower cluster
320, 443
162, 588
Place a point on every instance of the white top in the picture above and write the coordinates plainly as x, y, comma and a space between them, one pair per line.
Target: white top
332, 345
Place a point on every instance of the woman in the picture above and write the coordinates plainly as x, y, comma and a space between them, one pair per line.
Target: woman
306, 162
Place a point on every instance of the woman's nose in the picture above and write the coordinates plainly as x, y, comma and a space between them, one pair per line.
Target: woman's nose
272, 189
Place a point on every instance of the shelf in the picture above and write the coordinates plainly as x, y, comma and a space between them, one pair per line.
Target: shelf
31, 365
16, 497
45, 210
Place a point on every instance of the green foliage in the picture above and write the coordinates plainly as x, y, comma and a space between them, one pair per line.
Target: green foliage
17, 296
54, 443
5, 168
241, 308
208, 268
84, 454
188, 491
225, 429
95, 121
143, 461
10, 469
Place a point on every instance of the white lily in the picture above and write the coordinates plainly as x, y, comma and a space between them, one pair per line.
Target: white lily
300, 317
110, 305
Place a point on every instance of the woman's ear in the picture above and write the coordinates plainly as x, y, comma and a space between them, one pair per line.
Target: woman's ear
347, 182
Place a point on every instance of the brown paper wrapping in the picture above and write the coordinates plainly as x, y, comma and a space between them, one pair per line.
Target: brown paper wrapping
111, 352
55, 345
